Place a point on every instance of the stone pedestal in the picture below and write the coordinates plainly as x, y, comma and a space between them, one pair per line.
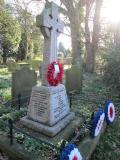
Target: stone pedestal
48, 105
48, 111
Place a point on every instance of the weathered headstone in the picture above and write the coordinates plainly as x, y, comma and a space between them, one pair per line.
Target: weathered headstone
49, 110
40, 70
22, 82
73, 79
12, 65
1, 50
22, 65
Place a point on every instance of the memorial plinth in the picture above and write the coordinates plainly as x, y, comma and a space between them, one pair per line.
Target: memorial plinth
48, 111
48, 105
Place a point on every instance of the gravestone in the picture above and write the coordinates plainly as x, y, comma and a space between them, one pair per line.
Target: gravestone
22, 82
1, 49
12, 65
22, 65
49, 110
74, 76
73, 79
40, 70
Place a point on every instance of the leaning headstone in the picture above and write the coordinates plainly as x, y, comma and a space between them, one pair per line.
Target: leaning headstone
22, 65
12, 65
22, 82
49, 110
73, 79
1, 49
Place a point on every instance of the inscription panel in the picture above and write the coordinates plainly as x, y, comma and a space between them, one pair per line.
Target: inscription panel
48, 106
60, 106
39, 109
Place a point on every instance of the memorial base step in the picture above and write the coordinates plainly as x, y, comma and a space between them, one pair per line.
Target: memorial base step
47, 130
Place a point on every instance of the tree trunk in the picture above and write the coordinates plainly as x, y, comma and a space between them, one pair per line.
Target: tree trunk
89, 56
4, 59
75, 40
92, 46
73, 13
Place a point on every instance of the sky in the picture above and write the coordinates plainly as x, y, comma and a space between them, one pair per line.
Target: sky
36, 8
109, 14
111, 11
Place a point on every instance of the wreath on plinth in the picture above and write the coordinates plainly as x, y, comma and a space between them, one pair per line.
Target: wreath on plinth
70, 152
54, 73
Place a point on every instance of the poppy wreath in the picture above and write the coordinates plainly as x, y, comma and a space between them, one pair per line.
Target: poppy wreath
97, 123
70, 152
54, 77
109, 112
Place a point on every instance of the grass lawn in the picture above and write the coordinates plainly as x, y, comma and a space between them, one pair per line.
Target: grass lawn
5, 84
109, 145
92, 97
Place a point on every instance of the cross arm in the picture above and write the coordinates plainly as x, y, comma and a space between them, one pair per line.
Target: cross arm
60, 26
43, 20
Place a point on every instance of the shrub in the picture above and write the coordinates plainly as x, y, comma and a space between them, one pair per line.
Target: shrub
20, 137
5, 93
0, 59
2, 125
112, 70
31, 145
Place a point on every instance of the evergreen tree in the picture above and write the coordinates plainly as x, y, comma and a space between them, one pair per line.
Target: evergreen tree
10, 32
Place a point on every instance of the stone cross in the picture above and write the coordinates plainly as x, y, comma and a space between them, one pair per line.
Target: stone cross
50, 26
